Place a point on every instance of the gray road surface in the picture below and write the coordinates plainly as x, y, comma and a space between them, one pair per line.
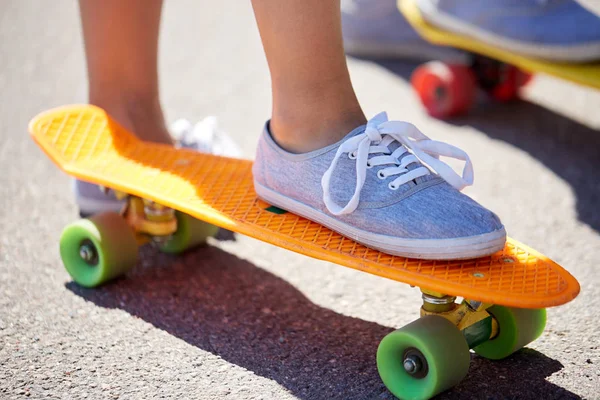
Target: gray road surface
242, 319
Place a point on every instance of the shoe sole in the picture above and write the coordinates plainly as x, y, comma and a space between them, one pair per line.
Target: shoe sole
430, 249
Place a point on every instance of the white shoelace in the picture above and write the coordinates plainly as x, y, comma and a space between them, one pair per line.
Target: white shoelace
379, 134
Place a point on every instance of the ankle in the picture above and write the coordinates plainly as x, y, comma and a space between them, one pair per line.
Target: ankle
301, 135
142, 117
314, 119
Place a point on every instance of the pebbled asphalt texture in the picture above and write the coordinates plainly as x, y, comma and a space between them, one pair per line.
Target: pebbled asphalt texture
240, 319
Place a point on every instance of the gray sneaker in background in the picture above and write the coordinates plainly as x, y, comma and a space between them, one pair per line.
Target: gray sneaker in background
556, 30
92, 199
377, 29
373, 187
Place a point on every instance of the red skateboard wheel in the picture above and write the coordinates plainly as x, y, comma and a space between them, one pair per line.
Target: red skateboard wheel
445, 90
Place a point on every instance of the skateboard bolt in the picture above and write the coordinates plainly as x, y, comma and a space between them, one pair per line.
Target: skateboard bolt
440, 93
87, 253
412, 364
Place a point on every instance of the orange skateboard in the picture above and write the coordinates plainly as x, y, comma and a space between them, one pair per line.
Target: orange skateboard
175, 198
449, 89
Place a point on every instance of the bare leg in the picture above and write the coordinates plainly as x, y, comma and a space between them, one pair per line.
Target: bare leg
314, 104
313, 100
121, 43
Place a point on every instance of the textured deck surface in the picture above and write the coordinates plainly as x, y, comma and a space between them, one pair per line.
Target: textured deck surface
587, 74
85, 143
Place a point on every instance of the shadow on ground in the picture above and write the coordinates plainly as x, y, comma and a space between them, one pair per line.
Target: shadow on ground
250, 317
566, 147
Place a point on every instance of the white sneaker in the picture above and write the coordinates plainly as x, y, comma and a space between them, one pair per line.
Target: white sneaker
205, 136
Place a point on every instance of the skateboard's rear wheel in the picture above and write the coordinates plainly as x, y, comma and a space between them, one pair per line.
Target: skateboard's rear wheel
191, 232
98, 249
513, 80
444, 89
517, 328
423, 358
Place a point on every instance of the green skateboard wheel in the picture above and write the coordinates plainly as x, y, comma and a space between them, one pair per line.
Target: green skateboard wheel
517, 328
98, 249
423, 358
191, 232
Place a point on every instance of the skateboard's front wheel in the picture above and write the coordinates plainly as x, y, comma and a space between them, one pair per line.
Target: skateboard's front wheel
517, 328
190, 232
444, 89
423, 358
98, 249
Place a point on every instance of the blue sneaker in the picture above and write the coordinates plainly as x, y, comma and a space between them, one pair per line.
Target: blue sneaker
376, 29
556, 30
373, 187
204, 136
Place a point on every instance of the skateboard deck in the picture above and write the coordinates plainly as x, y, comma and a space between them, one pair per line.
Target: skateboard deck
87, 144
587, 74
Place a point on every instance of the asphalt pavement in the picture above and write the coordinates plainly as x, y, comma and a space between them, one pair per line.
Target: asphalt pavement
240, 319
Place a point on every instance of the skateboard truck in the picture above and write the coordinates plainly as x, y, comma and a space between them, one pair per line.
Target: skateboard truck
470, 316
149, 220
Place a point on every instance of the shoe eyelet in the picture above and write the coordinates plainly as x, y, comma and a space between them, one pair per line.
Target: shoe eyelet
369, 164
381, 175
352, 156
392, 186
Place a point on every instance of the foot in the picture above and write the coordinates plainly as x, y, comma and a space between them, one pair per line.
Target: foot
556, 30
376, 29
205, 136
373, 187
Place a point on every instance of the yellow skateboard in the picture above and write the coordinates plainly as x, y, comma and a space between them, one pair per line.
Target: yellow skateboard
176, 197
449, 89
